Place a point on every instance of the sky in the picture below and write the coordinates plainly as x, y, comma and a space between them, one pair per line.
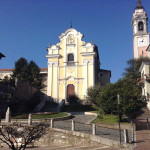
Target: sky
28, 26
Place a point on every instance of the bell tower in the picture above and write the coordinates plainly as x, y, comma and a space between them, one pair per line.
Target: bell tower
140, 31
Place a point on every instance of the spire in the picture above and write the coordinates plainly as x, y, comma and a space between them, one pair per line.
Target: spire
71, 24
139, 4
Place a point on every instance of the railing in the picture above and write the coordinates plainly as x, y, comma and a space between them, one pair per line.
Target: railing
70, 63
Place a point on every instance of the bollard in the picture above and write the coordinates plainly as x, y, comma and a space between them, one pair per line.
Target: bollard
73, 125
8, 116
126, 136
147, 124
132, 139
93, 129
52, 123
30, 119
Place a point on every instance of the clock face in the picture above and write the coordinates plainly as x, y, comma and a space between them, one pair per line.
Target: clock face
142, 42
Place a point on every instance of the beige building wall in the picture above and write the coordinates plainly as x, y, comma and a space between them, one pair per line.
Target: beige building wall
145, 81
78, 72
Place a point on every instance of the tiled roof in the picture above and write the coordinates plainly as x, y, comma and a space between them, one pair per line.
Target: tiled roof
13, 69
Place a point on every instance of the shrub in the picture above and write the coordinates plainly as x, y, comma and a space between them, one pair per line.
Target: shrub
100, 114
73, 100
93, 93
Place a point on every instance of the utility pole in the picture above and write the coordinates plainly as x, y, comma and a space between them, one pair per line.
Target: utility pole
118, 97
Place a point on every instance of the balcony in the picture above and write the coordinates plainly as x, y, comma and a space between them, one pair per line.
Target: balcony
140, 81
71, 63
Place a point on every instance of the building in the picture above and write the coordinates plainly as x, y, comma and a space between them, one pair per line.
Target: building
73, 67
43, 71
142, 48
144, 81
140, 31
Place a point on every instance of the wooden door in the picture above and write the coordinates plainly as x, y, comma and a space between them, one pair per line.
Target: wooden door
70, 90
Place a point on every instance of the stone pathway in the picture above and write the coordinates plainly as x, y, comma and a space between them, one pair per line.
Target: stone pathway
81, 126
142, 133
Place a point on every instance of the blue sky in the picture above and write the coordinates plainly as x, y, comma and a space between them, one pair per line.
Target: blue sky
27, 27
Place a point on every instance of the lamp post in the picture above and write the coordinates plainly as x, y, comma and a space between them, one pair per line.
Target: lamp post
1, 55
118, 98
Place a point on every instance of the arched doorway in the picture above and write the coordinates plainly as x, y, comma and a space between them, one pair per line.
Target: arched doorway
70, 90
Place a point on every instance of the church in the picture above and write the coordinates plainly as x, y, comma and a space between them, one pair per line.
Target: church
73, 67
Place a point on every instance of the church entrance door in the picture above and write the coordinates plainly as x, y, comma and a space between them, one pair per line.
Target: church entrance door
70, 90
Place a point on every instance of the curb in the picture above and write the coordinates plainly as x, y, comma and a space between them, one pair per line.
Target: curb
40, 120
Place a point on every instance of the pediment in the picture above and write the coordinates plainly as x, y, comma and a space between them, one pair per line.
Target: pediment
69, 32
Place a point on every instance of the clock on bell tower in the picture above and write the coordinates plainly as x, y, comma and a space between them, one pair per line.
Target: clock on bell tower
140, 31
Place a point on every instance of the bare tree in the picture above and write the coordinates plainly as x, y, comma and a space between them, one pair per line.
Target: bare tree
18, 136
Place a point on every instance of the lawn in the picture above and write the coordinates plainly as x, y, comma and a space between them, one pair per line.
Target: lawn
41, 116
109, 119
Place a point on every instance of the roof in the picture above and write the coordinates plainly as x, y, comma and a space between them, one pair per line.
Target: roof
6, 69
70, 30
107, 71
10, 70
139, 5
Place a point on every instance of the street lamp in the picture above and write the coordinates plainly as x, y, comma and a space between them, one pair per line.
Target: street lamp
1, 55
118, 98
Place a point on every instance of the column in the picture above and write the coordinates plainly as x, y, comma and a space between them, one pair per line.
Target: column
49, 81
85, 75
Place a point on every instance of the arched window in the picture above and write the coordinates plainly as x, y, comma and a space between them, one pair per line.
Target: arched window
140, 26
70, 57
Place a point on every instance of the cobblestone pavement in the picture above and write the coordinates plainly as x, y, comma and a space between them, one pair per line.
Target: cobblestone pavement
82, 126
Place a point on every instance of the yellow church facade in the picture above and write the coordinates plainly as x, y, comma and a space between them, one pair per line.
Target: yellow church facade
73, 67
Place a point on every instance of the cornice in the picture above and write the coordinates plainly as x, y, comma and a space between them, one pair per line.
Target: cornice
88, 53
53, 56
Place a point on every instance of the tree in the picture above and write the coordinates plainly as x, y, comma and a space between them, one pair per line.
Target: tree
93, 93
21, 70
34, 72
126, 87
18, 136
132, 70
28, 72
130, 95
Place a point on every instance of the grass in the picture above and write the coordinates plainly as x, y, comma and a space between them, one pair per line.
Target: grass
41, 116
80, 108
109, 119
